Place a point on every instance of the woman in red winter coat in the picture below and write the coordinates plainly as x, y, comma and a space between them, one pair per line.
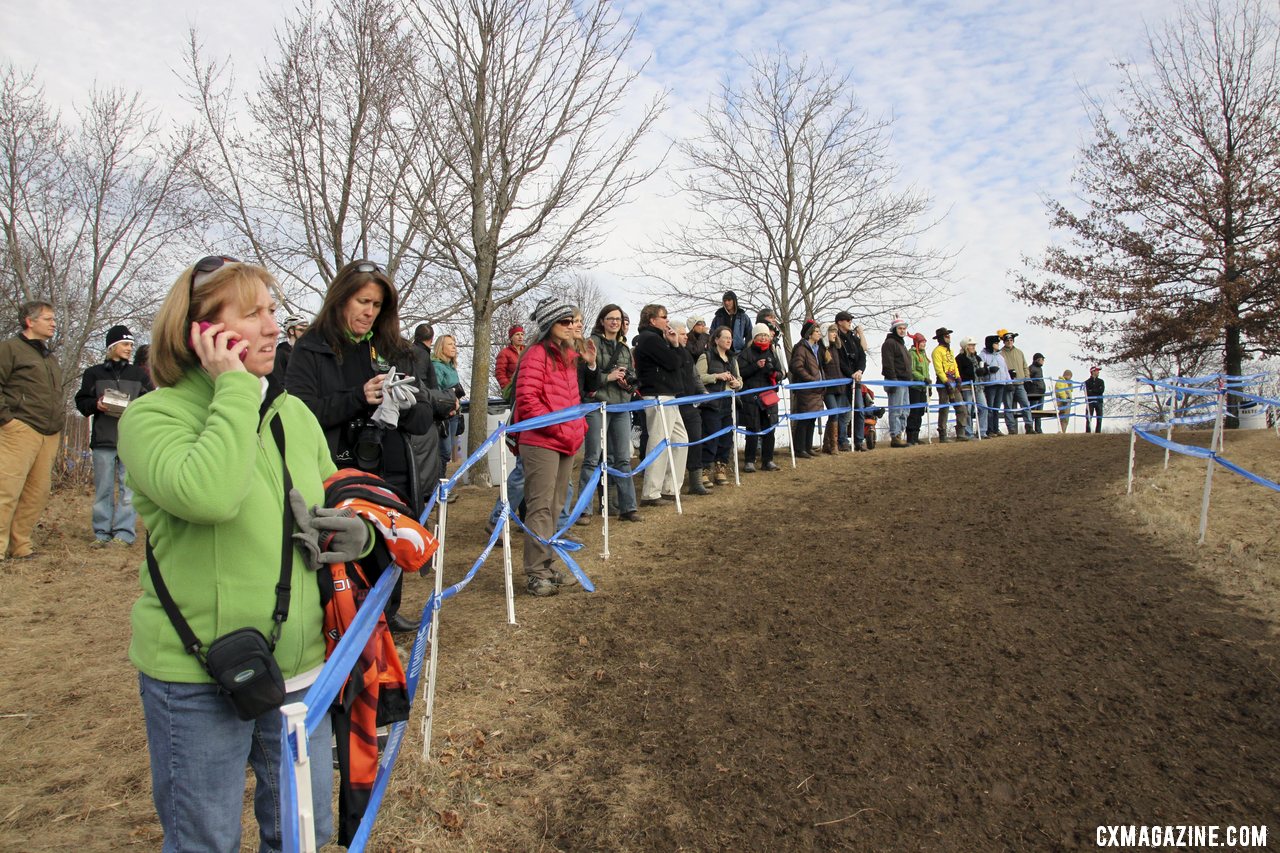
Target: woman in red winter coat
547, 381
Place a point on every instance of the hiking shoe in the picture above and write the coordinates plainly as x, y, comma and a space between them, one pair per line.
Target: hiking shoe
560, 578
667, 497
100, 543
583, 520
722, 474
769, 466
630, 516
542, 587
749, 468
650, 502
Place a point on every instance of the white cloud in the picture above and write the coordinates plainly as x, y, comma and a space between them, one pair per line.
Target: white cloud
985, 96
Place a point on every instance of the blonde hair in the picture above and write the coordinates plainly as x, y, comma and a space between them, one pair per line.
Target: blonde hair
437, 350
171, 354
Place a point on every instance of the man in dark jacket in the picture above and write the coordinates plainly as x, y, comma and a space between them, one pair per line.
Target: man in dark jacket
735, 317
658, 373
32, 414
895, 363
294, 327
853, 361
1094, 389
105, 391
1035, 387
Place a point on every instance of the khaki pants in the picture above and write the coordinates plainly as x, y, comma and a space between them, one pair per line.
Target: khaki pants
26, 468
657, 477
546, 480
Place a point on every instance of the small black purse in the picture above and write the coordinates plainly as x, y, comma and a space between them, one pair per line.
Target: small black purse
242, 662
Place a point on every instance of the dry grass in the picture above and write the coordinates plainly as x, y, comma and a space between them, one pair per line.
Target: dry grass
1241, 552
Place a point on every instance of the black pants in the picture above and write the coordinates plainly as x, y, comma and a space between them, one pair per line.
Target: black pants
916, 415
693, 425
1094, 408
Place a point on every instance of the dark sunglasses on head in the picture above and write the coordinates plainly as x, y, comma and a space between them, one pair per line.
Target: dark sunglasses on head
208, 264
366, 266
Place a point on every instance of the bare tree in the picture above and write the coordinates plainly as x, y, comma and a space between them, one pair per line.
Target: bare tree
327, 163
1175, 249
793, 202
94, 216
521, 102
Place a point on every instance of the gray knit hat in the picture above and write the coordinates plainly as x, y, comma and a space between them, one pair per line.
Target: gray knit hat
547, 312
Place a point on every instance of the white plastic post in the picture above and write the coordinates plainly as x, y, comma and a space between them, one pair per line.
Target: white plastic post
295, 723
506, 537
791, 435
1168, 433
1133, 450
1209, 466
733, 413
670, 454
604, 475
974, 422
433, 636
928, 418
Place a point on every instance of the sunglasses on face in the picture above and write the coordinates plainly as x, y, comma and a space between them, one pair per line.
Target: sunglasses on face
568, 321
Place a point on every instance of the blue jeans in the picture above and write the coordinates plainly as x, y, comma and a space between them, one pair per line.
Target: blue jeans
617, 442
199, 748
976, 420
515, 492
897, 409
113, 517
995, 395
1017, 403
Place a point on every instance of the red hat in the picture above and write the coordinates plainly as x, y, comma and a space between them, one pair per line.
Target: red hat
1095, 367
919, 338
516, 328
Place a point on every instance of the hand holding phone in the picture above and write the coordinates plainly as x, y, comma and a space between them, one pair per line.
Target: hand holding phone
205, 344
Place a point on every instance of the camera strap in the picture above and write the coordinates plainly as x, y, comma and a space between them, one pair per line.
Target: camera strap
190, 641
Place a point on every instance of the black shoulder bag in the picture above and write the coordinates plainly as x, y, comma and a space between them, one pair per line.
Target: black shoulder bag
242, 662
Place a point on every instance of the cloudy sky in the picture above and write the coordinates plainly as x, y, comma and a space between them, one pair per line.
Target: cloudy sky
985, 97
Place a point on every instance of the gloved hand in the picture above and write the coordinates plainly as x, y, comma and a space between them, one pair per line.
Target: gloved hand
397, 396
327, 535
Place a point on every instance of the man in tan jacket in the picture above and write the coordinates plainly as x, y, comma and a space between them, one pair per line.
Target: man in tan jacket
32, 413
1016, 400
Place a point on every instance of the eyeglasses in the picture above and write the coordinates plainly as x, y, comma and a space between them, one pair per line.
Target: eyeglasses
613, 319
206, 265
366, 266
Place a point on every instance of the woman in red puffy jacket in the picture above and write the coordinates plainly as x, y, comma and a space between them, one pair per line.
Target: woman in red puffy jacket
547, 381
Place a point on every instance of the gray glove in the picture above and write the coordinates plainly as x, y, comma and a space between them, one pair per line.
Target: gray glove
327, 535
397, 396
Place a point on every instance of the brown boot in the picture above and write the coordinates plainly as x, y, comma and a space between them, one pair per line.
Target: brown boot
722, 474
829, 441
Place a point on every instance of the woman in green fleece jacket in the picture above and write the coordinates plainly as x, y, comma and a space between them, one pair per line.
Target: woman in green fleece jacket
209, 484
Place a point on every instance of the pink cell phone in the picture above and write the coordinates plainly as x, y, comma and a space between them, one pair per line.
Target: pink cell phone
231, 341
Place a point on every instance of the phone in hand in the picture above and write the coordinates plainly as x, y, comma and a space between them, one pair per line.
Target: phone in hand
231, 339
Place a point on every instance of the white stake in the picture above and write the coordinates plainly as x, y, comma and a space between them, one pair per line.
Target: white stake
671, 459
505, 496
433, 635
1133, 447
295, 723
604, 475
791, 435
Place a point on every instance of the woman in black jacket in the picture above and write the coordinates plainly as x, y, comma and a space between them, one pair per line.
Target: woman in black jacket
759, 368
338, 368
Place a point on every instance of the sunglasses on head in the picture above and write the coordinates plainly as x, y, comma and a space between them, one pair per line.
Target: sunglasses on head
366, 266
208, 264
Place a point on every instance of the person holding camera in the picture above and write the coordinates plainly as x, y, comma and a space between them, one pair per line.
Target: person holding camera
339, 369
617, 385
106, 390
995, 378
212, 457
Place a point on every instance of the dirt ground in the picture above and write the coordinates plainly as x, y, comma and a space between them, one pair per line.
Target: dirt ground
984, 646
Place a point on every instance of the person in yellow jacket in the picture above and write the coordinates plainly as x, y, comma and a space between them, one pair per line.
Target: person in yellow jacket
948, 376
1064, 392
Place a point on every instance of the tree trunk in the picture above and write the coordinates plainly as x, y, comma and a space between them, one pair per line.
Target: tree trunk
478, 431
1233, 364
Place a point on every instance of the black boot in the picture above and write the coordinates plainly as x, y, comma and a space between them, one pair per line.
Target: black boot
695, 482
